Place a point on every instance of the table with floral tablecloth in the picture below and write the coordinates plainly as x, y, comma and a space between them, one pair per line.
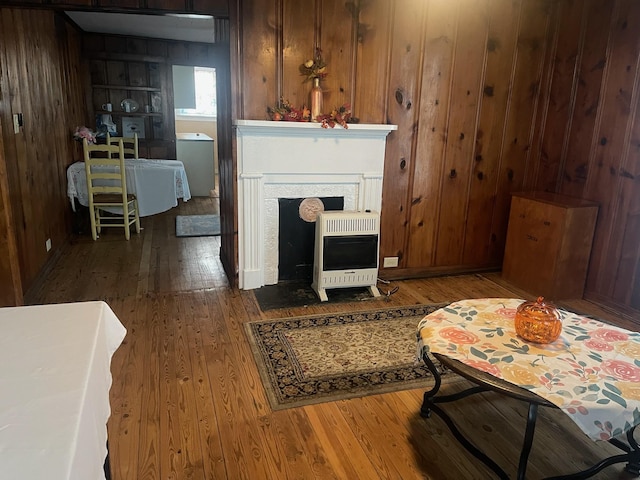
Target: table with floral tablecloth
592, 372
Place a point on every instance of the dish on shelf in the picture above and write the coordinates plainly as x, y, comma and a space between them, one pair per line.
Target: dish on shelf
129, 105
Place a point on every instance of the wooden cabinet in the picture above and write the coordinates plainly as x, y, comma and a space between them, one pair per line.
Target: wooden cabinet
142, 80
146, 103
549, 244
150, 96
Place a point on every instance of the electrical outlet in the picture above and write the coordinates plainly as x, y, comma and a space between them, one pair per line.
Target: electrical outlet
390, 262
47, 244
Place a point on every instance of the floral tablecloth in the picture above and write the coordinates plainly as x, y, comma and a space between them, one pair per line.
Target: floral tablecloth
592, 372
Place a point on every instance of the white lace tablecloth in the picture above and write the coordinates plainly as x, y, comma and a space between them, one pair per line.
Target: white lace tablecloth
158, 184
54, 389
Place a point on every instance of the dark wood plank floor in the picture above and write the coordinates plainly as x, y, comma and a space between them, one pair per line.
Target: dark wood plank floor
187, 401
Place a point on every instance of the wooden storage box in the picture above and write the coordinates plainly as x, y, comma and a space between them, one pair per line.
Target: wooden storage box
549, 244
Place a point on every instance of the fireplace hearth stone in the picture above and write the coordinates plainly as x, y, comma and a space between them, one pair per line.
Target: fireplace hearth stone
296, 293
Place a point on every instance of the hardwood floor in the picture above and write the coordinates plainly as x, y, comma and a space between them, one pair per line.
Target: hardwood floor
187, 401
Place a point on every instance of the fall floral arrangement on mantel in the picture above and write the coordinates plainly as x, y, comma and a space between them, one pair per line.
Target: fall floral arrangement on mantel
341, 116
314, 69
286, 112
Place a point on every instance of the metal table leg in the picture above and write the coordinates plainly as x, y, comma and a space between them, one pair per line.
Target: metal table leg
430, 403
632, 457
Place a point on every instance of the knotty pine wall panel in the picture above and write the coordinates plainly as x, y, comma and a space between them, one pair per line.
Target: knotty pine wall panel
259, 79
175, 5
626, 287
614, 169
10, 283
560, 104
591, 59
440, 32
616, 120
337, 35
228, 172
299, 20
403, 110
42, 78
501, 44
597, 156
463, 105
372, 61
525, 79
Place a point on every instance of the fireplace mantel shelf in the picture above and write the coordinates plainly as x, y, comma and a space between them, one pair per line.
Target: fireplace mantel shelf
299, 160
306, 128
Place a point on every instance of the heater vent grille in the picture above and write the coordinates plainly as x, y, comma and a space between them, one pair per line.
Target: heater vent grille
351, 223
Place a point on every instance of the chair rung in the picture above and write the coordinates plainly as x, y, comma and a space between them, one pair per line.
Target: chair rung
112, 198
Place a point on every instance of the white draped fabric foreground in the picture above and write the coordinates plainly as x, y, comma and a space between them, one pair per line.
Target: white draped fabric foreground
158, 184
54, 389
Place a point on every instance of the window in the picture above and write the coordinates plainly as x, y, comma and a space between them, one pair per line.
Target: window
205, 85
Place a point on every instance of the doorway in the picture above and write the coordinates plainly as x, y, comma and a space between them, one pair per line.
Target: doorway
207, 45
195, 105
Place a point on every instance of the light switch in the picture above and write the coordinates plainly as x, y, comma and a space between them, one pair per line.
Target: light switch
16, 123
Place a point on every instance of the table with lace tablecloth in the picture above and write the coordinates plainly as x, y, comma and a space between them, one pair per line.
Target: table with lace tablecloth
158, 184
591, 372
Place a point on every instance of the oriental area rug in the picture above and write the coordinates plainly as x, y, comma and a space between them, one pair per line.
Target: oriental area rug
328, 357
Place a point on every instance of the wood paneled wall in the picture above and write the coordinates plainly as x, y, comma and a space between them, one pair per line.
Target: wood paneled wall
10, 284
42, 78
590, 136
461, 79
490, 97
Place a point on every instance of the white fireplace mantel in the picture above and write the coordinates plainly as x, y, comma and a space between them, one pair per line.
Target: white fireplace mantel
299, 160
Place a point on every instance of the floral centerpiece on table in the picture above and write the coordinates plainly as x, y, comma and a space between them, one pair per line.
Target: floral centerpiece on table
83, 132
314, 67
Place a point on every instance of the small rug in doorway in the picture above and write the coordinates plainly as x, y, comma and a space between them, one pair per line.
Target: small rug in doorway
294, 293
328, 357
197, 225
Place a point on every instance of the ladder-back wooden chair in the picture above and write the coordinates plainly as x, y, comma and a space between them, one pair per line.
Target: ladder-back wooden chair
107, 189
130, 145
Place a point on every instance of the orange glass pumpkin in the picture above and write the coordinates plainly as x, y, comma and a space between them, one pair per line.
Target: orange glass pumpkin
538, 321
